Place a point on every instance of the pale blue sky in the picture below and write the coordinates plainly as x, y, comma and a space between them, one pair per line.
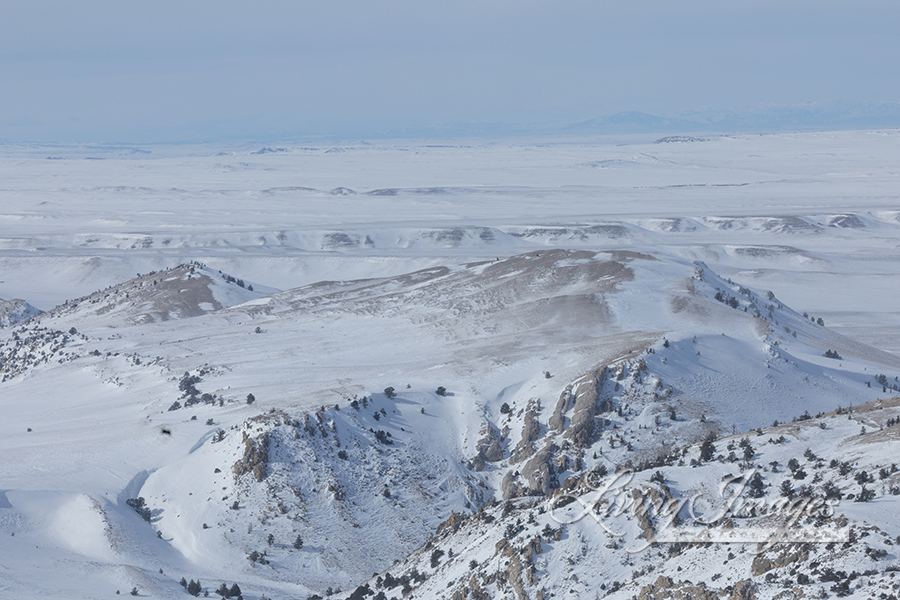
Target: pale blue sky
201, 69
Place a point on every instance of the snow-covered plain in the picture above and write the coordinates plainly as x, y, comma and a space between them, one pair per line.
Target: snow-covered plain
823, 233
313, 277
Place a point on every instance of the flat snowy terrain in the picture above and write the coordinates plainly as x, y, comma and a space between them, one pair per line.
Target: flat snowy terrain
811, 216
209, 355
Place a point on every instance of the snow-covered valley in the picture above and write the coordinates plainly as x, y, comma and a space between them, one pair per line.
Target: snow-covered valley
295, 369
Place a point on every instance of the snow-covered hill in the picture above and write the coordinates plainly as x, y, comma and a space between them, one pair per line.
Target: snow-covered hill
13, 312
357, 416
184, 291
813, 216
417, 361
590, 540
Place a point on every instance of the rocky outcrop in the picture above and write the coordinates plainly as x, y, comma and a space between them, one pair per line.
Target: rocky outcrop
531, 430
666, 589
788, 555
510, 485
255, 459
471, 591
743, 590
520, 574
586, 393
644, 520
539, 470
582, 398
451, 524
489, 447
532, 548
557, 419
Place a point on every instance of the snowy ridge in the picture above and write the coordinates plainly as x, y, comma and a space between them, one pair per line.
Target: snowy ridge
498, 235
455, 342
185, 291
797, 213
520, 548
13, 312
503, 381
327, 475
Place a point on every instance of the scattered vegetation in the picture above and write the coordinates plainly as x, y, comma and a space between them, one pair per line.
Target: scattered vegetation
140, 507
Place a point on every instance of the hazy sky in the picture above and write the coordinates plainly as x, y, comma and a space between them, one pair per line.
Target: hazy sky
200, 69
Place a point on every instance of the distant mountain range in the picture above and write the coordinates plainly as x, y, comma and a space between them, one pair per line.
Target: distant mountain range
766, 119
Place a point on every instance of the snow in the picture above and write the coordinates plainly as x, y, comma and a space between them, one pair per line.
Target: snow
476, 268
15, 311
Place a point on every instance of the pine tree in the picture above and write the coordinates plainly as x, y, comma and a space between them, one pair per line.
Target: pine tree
865, 495
436, 557
707, 450
757, 487
831, 491
787, 490
748, 453
360, 593
298, 543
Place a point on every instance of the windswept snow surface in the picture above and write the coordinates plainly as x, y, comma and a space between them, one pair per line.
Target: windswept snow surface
253, 344
812, 216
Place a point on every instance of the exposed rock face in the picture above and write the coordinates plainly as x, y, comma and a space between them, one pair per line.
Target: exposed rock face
581, 397
644, 521
256, 457
451, 524
477, 463
761, 564
531, 430
743, 590
493, 451
790, 554
520, 573
586, 393
539, 470
472, 591
581, 430
532, 548
510, 485
557, 420
489, 447
665, 589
